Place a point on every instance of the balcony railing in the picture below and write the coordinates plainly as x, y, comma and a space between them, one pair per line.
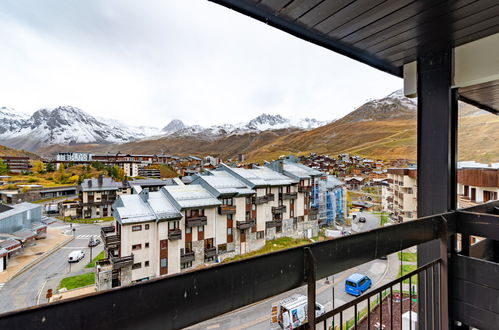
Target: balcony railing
210, 252
270, 197
261, 200
245, 224
313, 211
304, 189
474, 288
175, 234
187, 256
288, 196
226, 209
195, 221
273, 223
119, 262
278, 209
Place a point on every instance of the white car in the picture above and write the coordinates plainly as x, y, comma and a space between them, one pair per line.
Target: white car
76, 256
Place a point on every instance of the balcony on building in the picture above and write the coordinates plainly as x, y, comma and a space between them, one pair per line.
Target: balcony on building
279, 209
289, 196
270, 197
227, 209
174, 234
261, 200
186, 256
196, 220
304, 189
313, 211
245, 224
110, 238
210, 252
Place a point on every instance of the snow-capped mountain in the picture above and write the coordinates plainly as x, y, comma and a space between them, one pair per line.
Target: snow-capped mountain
395, 105
173, 126
64, 125
261, 123
67, 125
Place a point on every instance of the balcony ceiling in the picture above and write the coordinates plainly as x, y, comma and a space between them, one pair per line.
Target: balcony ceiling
385, 34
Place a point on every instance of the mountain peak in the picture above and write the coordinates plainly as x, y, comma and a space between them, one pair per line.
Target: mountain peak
173, 126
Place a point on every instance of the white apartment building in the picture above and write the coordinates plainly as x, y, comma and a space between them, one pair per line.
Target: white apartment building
401, 194
222, 213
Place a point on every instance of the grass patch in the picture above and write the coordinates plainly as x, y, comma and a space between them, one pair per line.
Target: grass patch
408, 256
407, 269
91, 264
77, 281
271, 246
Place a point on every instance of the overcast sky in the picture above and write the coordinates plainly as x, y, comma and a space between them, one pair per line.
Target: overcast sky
149, 61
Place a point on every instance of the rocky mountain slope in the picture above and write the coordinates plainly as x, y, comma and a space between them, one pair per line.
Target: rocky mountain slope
64, 125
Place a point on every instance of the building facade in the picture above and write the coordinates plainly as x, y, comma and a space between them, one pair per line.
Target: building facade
401, 194
16, 164
220, 214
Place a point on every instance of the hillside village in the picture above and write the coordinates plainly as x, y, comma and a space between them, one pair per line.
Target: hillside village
159, 213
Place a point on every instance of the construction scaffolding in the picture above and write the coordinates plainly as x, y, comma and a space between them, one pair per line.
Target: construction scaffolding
328, 196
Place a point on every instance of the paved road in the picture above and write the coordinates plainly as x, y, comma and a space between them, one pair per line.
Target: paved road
25, 289
257, 316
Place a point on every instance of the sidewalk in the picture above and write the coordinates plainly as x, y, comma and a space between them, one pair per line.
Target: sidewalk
34, 254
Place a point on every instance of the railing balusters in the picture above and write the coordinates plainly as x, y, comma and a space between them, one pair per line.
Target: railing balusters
401, 303
391, 307
381, 310
410, 304
355, 316
341, 320
368, 313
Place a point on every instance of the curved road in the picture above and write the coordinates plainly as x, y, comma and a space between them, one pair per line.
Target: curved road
24, 290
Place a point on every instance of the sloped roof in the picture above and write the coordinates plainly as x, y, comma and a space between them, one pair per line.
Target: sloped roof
262, 177
223, 183
190, 196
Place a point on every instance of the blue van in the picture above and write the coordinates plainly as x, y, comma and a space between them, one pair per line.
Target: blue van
356, 284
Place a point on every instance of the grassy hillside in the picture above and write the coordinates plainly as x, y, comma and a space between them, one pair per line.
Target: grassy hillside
6, 151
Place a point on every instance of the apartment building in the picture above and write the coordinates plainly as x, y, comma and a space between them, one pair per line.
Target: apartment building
221, 213
16, 164
478, 183
237, 211
401, 194
96, 196
73, 157
160, 233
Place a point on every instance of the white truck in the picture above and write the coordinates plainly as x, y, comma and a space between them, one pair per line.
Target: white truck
291, 312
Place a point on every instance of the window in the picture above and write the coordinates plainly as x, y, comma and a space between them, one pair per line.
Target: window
188, 247
248, 200
230, 216
200, 229
260, 234
146, 227
248, 215
137, 228
222, 248
136, 247
278, 229
163, 244
188, 230
138, 265
147, 245
146, 264
229, 231
172, 225
163, 262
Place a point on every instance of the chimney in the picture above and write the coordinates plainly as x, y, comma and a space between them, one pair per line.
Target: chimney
89, 182
144, 194
100, 179
280, 166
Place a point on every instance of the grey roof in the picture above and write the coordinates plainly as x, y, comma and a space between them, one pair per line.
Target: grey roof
222, 183
107, 184
144, 207
5, 243
190, 196
259, 176
18, 208
299, 171
24, 234
38, 225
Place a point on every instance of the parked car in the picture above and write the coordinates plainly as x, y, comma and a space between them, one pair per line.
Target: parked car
362, 220
356, 284
93, 242
76, 256
292, 311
